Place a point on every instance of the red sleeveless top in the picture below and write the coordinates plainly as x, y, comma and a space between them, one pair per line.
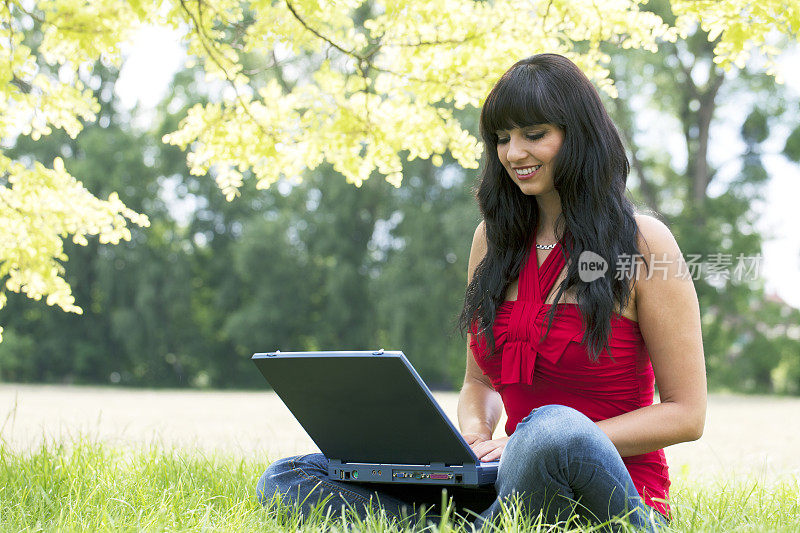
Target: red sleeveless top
529, 372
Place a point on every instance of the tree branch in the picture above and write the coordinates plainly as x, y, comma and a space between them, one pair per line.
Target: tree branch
205, 42
702, 175
351, 53
646, 187
279, 73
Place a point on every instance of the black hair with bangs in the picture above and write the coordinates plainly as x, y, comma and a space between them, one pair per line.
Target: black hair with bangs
589, 172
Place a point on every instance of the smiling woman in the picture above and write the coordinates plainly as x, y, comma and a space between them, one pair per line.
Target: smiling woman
573, 361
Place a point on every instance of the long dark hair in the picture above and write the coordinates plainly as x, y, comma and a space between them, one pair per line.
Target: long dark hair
589, 173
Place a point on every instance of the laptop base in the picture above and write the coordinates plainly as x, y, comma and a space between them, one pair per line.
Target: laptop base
467, 475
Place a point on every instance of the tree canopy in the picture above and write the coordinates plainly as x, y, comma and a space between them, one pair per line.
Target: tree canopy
360, 86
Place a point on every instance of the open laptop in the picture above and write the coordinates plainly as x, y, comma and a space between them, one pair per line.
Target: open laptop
374, 418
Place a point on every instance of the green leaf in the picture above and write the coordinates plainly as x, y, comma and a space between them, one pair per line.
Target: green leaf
755, 128
792, 148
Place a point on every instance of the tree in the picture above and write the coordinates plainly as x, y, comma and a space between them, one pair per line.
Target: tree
419, 289
46, 54
135, 296
746, 336
364, 85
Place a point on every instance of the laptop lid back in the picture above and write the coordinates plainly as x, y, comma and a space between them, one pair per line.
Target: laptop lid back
368, 407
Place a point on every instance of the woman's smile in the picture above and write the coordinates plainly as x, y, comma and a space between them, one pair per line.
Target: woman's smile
524, 173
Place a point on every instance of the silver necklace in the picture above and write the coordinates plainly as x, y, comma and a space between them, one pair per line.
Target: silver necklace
546, 246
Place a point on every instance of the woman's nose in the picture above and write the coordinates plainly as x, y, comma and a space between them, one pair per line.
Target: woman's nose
516, 150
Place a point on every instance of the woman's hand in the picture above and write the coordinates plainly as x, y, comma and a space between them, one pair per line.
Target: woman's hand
486, 449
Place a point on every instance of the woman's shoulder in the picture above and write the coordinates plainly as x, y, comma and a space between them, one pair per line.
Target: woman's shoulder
654, 236
664, 263
480, 232
655, 244
478, 250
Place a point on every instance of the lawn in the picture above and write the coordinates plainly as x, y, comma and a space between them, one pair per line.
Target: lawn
82, 484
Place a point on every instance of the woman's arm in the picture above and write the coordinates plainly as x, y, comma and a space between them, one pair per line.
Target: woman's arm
479, 405
669, 320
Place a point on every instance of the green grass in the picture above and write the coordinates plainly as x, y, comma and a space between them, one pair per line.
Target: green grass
89, 486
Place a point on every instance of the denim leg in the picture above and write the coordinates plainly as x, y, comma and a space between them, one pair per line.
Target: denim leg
303, 480
559, 462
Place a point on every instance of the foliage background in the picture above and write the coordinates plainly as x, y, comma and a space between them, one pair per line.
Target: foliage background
319, 264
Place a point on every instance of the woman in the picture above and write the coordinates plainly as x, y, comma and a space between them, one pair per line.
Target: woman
576, 378
582, 430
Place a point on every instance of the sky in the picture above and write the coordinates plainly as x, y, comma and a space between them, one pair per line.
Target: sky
155, 54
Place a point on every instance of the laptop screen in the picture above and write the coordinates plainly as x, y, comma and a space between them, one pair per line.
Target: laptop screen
364, 407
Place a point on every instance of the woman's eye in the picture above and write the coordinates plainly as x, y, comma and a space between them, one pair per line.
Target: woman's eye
529, 136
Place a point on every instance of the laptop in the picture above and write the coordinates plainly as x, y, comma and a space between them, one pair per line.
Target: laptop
374, 418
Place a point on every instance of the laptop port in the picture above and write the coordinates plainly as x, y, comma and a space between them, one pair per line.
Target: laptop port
347, 475
459, 478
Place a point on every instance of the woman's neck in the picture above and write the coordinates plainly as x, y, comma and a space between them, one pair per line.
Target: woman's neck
549, 210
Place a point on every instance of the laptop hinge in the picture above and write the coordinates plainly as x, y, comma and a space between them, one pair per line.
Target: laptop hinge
437, 465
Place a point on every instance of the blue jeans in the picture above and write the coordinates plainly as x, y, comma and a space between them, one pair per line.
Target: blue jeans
557, 462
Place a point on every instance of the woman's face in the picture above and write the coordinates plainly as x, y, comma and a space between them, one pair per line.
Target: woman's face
527, 155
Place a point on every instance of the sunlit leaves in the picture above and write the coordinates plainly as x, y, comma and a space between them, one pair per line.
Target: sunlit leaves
41, 206
359, 85
365, 95
743, 27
